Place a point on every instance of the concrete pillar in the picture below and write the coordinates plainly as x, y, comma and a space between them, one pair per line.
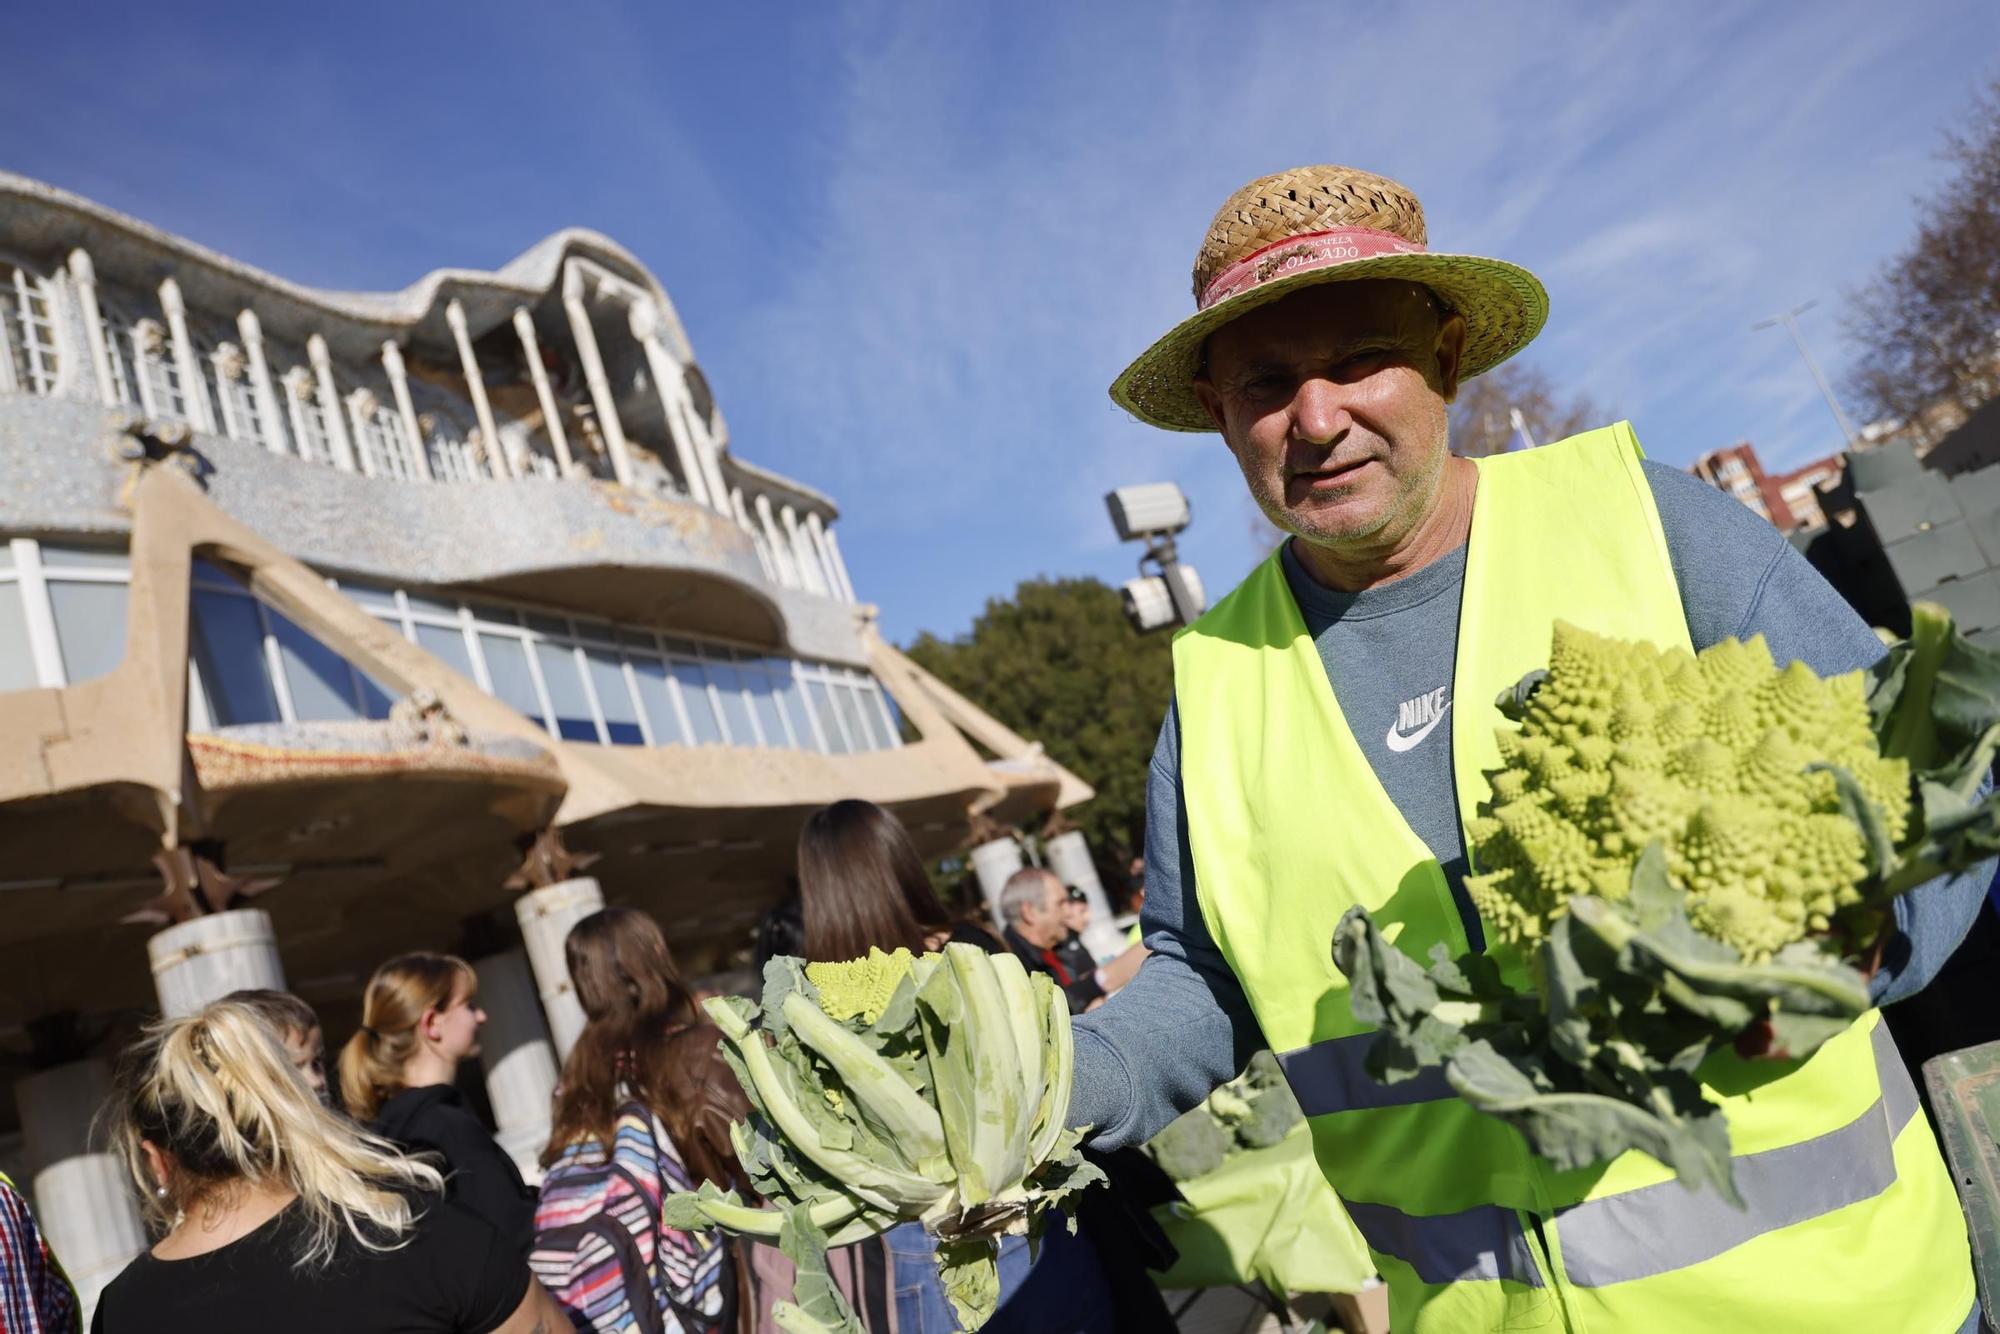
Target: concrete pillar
816, 533
840, 564
519, 1058
269, 401
671, 391
705, 448
475, 385
329, 404
205, 958
546, 915
809, 573
743, 521
83, 1196
593, 373
84, 274
399, 385
194, 387
993, 862
781, 550
524, 329
1069, 857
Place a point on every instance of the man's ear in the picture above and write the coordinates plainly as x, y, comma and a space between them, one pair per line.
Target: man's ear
1450, 353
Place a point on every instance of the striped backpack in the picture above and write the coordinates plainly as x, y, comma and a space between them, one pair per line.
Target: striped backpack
601, 1252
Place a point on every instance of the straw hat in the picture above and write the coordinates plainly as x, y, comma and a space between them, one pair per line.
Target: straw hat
1319, 225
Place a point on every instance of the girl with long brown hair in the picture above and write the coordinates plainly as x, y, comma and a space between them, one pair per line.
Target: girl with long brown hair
862, 885
418, 1022
644, 1069
275, 1212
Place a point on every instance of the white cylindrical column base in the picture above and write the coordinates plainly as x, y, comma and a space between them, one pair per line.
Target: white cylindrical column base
1069, 858
546, 915
83, 1198
519, 1059
993, 863
206, 958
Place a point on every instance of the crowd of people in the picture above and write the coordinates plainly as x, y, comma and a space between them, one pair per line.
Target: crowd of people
378, 1199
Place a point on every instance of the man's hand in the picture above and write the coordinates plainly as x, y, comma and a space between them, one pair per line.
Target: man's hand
1121, 970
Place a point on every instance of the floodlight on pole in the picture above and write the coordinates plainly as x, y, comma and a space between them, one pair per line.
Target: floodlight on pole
1166, 591
1790, 319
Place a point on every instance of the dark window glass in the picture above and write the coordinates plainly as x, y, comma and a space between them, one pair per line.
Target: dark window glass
507, 669
735, 702
657, 697
229, 648
321, 685
694, 696
566, 697
614, 701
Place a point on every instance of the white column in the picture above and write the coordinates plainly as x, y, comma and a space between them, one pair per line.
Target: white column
475, 385
518, 1057
667, 383
816, 533
205, 958
840, 565
1069, 857
992, 863
809, 572
704, 445
546, 915
194, 388
84, 274
269, 401
329, 404
781, 550
83, 1196
593, 372
399, 385
742, 513
524, 328
361, 405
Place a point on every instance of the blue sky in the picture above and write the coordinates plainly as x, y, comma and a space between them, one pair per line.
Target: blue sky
913, 243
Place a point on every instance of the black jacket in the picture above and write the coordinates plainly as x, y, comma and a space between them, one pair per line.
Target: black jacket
478, 1172
1079, 989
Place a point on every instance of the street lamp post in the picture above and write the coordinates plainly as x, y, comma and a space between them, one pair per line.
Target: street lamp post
1790, 319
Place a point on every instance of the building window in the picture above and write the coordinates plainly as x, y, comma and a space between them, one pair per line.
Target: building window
301, 391
385, 446
591, 681
27, 310
62, 613
242, 412
256, 665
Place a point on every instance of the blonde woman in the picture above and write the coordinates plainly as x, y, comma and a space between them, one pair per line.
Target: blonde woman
277, 1213
418, 1022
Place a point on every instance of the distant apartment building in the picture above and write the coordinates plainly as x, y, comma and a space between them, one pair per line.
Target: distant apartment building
1788, 501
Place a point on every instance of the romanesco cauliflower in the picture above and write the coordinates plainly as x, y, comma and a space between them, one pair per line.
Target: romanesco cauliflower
860, 986
1713, 755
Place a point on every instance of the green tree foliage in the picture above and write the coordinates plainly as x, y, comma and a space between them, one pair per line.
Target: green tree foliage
1057, 663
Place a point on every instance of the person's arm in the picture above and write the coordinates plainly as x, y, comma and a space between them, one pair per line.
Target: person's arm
484, 1179
1182, 1026
537, 1314
1739, 577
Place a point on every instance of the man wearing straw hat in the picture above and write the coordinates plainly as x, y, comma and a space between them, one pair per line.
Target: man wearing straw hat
1321, 752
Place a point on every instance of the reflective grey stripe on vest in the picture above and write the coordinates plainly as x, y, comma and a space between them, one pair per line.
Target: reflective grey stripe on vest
1481, 1243
1330, 1077
1659, 1228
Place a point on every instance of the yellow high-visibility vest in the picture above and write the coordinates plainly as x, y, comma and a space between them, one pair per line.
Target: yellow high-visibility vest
1851, 1223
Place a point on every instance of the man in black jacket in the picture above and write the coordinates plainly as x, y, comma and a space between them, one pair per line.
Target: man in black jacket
1032, 904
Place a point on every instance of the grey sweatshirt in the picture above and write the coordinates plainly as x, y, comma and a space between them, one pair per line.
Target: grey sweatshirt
1183, 1025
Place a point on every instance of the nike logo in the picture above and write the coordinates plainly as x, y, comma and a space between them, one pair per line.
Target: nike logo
1423, 713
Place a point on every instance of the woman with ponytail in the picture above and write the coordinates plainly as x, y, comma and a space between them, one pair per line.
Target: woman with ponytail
274, 1212
418, 1022
645, 1089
